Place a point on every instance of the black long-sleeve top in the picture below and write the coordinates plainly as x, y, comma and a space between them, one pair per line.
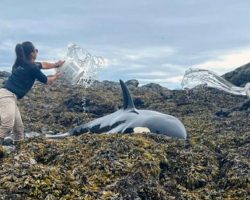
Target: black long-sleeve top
23, 77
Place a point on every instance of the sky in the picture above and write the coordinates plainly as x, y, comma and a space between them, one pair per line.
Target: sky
153, 41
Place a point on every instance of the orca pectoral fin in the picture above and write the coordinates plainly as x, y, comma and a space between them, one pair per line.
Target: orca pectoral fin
117, 129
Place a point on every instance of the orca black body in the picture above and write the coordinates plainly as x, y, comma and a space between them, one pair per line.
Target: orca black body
128, 118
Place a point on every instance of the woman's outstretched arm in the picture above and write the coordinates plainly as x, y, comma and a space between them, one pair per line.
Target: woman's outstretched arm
48, 65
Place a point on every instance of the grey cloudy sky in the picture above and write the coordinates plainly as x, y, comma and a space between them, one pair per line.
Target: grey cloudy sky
149, 40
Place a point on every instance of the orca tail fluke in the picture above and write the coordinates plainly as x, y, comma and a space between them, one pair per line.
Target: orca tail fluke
58, 136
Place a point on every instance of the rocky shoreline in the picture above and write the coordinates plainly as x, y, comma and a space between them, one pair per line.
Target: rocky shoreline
212, 164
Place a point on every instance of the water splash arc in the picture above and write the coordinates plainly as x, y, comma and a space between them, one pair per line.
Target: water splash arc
194, 77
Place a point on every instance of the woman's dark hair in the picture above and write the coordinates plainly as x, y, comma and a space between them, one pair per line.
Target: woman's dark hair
23, 54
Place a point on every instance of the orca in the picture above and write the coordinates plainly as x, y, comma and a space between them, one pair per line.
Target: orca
126, 119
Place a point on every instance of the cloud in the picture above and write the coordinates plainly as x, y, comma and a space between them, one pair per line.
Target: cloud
136, 58
149, 53
171, 82
228, 61
154, 40
150, 74
5, 45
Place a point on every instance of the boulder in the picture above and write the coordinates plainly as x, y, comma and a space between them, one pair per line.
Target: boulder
132, 82
240, 76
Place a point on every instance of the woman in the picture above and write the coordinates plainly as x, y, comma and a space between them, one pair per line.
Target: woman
24, 73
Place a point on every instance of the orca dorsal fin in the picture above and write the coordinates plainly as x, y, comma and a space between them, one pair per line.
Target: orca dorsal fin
127, 99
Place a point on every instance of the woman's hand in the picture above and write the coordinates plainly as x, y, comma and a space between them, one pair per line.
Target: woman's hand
58, 75
52, 78
59, 63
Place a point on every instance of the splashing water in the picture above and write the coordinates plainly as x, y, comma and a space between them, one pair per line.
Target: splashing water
84, 102
195, 77
80, 66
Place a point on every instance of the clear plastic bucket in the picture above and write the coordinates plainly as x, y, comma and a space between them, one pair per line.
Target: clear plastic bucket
72, 72
79, 65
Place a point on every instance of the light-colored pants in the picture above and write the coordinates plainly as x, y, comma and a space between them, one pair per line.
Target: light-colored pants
10, 118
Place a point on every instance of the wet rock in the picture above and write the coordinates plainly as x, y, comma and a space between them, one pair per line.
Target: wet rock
111, 84
139, 102
132, 82
239, 76
152, 86
75, 104
222, 113
8, 141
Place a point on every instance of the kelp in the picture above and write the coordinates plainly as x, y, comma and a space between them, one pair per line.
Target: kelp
213, 163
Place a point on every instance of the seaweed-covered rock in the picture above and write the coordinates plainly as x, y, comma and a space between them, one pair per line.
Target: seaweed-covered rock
213, 163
